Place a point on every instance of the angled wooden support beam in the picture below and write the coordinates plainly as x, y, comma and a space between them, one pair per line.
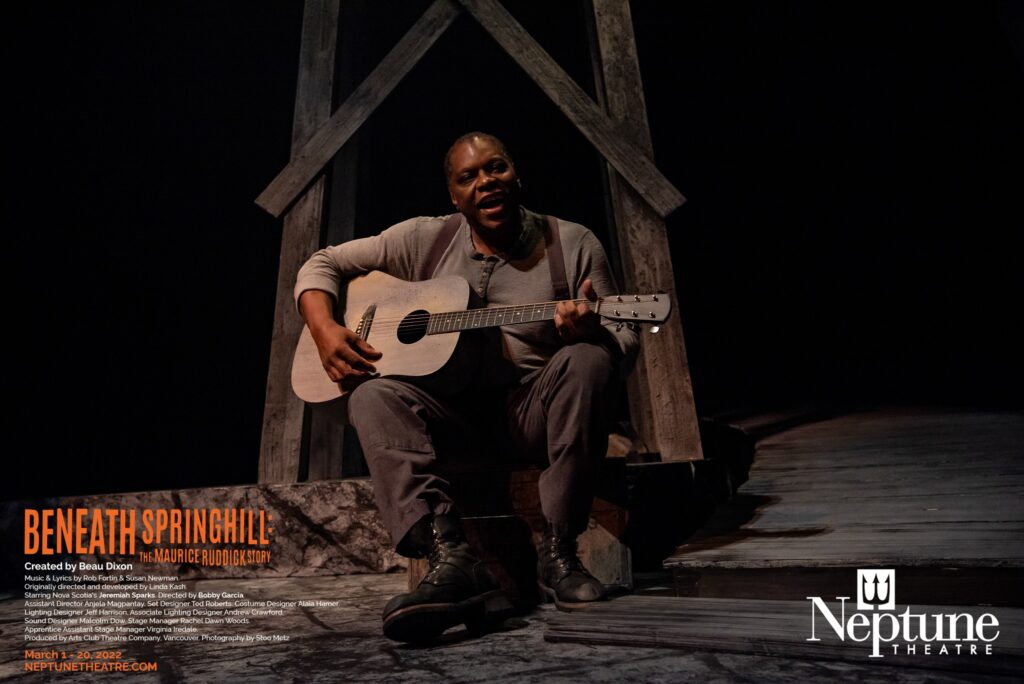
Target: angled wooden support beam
332, 135
660, 392
629, 160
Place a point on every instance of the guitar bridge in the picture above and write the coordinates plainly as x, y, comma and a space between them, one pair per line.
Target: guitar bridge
365, 322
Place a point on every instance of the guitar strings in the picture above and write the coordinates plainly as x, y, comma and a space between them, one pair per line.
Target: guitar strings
457, 318
508, 310
422, 324
423, 321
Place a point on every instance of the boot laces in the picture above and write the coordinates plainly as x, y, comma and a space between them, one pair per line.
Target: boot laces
565, 555
440, 551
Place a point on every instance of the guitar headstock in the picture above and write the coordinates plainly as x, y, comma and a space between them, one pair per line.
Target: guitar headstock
629, 308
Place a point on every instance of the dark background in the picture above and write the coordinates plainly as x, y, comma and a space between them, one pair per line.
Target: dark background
853, 174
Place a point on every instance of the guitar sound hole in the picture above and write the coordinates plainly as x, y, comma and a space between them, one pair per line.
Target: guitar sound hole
413, 327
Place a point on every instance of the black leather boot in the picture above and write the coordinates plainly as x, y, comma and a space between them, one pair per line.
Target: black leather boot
561, 575
457, 589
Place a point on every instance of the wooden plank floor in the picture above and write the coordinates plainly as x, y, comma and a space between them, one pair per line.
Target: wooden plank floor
939, 495
340, 640
774, 628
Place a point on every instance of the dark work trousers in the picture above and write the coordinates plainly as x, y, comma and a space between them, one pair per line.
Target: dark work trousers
558, 416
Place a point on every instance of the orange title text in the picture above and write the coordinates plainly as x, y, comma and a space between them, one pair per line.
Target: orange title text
115, 531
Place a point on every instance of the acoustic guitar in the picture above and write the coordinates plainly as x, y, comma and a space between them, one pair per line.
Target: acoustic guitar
416, 326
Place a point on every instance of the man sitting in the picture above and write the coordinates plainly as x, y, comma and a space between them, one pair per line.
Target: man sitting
553, 378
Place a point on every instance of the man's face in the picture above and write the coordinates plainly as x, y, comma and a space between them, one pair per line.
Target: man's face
483, 184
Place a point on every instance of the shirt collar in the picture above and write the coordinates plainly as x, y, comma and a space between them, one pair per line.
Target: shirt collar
524, 244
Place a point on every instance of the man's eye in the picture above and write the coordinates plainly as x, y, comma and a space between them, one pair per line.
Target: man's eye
465, 179
498, 167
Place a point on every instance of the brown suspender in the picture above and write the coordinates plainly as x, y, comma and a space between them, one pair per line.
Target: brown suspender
444, 238
556, 262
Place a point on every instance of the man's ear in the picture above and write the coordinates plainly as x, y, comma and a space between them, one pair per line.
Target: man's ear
452, 196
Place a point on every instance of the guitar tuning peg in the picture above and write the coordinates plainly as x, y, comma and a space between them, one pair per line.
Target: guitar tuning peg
618, 327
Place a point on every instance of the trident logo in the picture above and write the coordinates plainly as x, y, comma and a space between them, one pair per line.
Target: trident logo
876, 589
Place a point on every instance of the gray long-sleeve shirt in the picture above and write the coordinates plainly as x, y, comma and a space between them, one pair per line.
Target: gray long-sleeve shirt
523, 278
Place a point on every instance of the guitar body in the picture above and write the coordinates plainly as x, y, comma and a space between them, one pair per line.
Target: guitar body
404, 351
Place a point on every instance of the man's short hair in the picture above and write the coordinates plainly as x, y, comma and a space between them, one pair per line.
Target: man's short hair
466, 137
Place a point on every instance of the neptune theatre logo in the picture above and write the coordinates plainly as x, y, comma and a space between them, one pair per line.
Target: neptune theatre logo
878, 621
876, 590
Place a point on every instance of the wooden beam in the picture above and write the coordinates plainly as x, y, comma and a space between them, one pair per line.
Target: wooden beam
325, 142
328, 423
283, 412
629, 160
660, 391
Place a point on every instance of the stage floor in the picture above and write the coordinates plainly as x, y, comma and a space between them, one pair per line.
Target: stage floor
937, 495
344, 644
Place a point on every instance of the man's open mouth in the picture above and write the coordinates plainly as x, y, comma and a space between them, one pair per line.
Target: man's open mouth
492, 204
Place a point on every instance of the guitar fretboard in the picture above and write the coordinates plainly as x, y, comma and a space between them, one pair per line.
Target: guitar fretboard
453, 321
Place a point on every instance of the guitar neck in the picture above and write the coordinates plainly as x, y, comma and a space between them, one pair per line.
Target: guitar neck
454, 321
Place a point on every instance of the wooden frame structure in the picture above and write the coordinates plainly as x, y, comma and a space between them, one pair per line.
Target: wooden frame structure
661, 396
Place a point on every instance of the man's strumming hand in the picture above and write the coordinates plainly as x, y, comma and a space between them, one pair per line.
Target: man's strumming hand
345, 356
